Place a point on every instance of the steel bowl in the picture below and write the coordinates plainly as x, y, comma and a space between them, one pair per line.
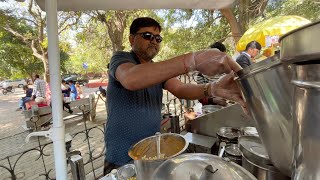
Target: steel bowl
144, 152
229, 134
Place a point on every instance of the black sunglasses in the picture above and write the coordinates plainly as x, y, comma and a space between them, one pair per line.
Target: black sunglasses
150, 37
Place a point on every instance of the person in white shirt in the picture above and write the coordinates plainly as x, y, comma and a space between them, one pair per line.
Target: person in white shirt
39, 87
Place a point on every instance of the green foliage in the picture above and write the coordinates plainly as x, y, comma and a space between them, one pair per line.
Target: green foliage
93, 47
16, 59
309, 9
190, 30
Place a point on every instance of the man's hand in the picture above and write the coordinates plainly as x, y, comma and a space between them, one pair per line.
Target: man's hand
219, 101
211, 62
226, 87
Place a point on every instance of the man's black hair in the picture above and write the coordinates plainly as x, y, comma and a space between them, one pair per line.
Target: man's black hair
70, 81
143, 22
253, 45
37, 76
219, 46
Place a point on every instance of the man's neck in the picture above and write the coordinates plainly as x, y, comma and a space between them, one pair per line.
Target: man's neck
247, 54
142, 61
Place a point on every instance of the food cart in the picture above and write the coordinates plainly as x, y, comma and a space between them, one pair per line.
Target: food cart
271, 114
57, 132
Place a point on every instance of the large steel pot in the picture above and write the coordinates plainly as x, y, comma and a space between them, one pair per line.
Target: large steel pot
144, 153
197, 166
268, 93
301, 45
302, 48
263, 173
307, 121
256, 160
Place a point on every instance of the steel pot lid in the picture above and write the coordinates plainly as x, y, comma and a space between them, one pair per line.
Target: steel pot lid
198, 166
301, 45
253, 149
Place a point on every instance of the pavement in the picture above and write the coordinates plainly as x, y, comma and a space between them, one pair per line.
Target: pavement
12, 138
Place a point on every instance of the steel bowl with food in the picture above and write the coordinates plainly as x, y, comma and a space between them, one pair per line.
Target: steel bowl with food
147, 156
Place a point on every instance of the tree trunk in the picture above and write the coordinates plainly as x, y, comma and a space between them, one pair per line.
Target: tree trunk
234, 25
116, 27
45, 61
244, 14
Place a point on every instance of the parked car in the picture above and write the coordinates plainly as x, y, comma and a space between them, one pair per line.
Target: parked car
14, 83
81, 80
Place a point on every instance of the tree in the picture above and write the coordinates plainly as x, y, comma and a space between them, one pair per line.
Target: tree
16, 58
104, 33
240, 15
309, 9
36, 40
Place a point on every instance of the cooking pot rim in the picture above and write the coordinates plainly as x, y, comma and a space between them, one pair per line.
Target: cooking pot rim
163, 159
298, 29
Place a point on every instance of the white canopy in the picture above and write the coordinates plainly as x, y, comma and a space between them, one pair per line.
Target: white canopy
83, 5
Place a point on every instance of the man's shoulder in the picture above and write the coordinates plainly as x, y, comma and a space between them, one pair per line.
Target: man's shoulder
120, 57
242, 56
121, 53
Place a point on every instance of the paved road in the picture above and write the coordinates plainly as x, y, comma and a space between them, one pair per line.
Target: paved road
12, 134
11, 121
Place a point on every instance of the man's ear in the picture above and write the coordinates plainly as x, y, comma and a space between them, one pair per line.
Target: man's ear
131, 39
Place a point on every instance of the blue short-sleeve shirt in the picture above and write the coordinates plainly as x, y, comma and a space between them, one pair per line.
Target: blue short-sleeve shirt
132, 115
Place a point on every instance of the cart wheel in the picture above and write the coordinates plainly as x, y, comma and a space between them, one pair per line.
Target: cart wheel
12, 90
4, 91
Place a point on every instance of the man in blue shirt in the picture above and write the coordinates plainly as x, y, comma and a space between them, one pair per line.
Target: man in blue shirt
73, 91
135, 87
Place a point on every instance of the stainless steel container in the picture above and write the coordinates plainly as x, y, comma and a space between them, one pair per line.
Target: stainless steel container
228, 135
307, 122
268, 93
249, 131
302, 48
126, 172
256, 160
232, 151
144, 153
210, 108
301, 45
197, 166
263, 173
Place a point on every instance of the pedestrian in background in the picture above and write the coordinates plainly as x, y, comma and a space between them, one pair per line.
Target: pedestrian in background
73, 91
39, 88
246, 58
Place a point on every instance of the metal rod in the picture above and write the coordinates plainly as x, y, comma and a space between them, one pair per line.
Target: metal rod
59, 146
